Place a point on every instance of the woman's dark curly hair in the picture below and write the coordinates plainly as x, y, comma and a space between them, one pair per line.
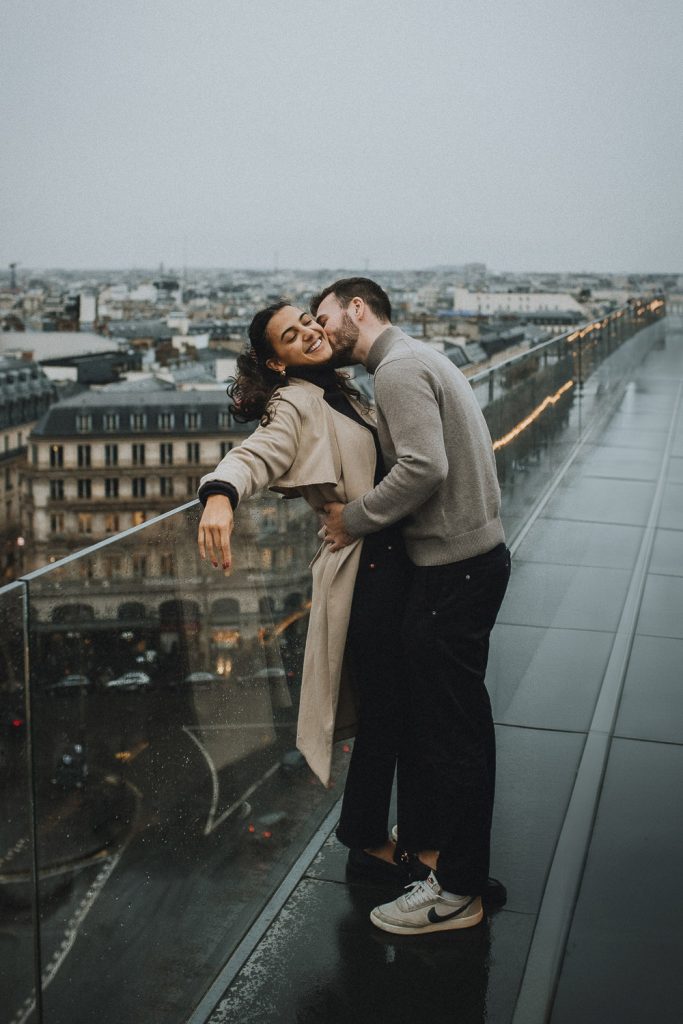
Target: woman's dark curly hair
253, 389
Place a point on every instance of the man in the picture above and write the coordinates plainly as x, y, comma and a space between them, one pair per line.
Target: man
441, 482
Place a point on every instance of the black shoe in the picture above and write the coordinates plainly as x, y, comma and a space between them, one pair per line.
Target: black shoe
409, 868
495, 895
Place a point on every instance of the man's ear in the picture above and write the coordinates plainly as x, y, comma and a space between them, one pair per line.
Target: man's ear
357, 307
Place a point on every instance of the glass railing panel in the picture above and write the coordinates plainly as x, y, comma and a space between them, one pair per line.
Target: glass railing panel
539, 404
17, 937
165, 701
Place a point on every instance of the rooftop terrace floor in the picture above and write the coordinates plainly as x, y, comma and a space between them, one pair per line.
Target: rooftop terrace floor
586, 682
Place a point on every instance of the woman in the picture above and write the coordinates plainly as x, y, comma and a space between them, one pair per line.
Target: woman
316, 440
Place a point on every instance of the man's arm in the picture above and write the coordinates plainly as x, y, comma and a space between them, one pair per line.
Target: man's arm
405, 396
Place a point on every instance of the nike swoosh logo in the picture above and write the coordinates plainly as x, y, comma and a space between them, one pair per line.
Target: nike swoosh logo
434, 918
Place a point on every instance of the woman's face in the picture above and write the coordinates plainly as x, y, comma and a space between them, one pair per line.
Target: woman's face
296, 339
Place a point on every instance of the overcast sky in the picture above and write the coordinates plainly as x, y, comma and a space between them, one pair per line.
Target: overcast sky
527, 134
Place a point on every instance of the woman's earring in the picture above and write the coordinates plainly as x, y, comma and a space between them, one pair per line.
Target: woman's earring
283, 373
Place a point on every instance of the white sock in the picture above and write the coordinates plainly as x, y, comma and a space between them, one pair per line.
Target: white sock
452, 897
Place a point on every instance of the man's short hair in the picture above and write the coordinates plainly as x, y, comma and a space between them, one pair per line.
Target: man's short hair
348, 288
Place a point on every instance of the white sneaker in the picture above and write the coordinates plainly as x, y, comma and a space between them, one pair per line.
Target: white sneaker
425, 909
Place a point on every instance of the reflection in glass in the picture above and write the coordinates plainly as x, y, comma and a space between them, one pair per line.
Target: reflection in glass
165, 704
16, 889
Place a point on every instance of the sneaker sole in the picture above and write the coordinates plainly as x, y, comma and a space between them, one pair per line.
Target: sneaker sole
455, 924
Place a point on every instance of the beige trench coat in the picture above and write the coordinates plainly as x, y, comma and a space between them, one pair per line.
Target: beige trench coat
311, 450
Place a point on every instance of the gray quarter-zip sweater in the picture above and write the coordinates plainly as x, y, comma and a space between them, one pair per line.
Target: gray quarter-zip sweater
441, 471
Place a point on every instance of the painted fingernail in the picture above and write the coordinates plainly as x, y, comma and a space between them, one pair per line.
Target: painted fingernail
226, 565
215, 565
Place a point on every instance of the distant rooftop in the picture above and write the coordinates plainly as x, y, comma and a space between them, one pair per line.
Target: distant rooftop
49, 344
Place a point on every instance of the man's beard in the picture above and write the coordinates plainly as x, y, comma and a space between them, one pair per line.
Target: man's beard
344, 343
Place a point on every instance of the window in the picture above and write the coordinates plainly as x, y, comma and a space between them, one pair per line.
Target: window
84, 522
8, 479
193, 420
166, 453
111, 522
166, 486
84, 489
111, 488
193, 451
139, 486
34, 454
111, 455
224, 419
138, 451
165, 421
57, 490
139, 565
56, 456
192, 485
84, 456
57, 522
266, 558
112, 567
138, 518
167, 565
226, 446
86, 569
83, 422
138, 420
111, 421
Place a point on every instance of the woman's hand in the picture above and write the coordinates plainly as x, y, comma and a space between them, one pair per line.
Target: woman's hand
215, 528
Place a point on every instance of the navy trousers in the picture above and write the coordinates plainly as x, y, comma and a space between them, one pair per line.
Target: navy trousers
448, 765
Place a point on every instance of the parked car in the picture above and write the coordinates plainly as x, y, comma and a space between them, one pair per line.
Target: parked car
270, 675
71, 682
130, 681
200, 678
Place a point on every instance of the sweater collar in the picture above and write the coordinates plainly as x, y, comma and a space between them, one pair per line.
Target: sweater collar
381, 345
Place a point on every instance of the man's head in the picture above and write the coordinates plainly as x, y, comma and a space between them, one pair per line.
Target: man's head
351, 309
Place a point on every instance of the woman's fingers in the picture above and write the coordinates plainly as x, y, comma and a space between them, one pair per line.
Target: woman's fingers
215, 527
214, 544
223, 545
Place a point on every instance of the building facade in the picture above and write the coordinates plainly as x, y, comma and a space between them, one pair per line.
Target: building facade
25, 395
105, 460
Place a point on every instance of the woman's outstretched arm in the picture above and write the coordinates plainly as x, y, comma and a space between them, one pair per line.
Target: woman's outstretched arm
256, 463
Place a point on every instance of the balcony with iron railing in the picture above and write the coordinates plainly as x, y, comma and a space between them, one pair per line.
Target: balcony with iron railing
166, 855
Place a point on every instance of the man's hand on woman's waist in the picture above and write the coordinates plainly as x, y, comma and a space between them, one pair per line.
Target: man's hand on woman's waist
333, 525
